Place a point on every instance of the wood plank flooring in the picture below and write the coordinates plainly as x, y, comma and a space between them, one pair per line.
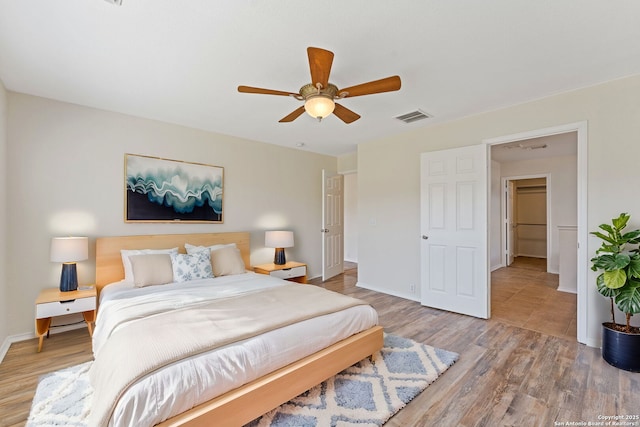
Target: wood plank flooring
507, 375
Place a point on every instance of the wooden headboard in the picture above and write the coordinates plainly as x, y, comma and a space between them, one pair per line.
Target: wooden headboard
109, 267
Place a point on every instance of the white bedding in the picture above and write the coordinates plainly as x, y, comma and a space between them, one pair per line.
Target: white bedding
186, 383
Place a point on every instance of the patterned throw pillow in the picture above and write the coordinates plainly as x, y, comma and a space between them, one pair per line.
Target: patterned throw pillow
191, 266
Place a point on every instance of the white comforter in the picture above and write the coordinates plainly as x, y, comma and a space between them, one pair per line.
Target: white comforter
121, 303
186, 383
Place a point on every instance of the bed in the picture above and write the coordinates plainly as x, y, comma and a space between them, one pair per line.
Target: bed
240, 403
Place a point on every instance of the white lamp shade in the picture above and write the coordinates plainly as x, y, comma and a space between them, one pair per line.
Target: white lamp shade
319, 106
69, 249
278, 239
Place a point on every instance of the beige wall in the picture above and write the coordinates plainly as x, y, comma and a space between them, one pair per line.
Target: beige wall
66, 176
4, 202
496, 254
351, 217
348, 163
389, 178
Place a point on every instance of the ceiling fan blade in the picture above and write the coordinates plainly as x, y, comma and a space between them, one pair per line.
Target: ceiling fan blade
345, 114
294, 115
320, 61
249, 89
388, 84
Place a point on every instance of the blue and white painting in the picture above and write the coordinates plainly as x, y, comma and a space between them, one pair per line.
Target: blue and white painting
171, 190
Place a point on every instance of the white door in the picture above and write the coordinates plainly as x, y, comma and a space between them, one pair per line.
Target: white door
454, 230
332, 225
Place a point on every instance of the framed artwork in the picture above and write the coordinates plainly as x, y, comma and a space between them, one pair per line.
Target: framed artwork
164, 190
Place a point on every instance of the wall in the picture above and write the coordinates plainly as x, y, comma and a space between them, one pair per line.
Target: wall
348, 165
562, 188
496, 254
66, 169
351, 217
389, 202
4, 202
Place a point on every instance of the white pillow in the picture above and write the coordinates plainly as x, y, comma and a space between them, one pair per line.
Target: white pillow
151, 269
191, 266
126, 253
193, 248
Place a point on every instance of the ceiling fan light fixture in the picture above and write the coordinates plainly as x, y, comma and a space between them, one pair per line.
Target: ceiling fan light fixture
319, 95
319, 106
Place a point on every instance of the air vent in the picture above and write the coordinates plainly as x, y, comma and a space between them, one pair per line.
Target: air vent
413, 116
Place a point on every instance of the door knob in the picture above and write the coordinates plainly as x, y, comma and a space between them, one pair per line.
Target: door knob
425, 237
324, 230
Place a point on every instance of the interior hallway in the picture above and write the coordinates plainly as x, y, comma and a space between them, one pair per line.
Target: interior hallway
525, 295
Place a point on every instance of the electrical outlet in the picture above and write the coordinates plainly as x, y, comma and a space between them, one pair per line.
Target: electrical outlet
412, 288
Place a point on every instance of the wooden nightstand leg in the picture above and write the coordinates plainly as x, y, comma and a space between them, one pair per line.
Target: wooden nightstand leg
42, 328
89, 317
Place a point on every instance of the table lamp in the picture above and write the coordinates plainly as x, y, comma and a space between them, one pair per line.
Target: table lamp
279, 240
69, 250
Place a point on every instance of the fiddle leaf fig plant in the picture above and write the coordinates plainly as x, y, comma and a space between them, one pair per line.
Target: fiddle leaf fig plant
618, 259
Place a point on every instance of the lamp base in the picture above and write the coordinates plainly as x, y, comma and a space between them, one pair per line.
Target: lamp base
279, 258
69, 277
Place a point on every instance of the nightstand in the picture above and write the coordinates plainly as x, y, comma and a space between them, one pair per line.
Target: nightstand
292, 271
51, 303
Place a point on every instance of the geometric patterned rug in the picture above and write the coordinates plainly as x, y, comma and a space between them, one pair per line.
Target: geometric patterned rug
366, 394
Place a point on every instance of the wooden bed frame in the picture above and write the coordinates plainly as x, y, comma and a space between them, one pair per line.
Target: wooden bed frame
239, 406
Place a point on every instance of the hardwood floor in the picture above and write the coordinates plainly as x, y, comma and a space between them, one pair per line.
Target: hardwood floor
22, 366
507, 375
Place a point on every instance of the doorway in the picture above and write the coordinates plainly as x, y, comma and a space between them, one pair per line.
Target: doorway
533, 143
525, 206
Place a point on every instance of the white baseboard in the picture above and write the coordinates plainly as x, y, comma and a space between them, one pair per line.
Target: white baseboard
14, 338
594, 342
31, 335
495, 267
4, 348
530, 256
410, 297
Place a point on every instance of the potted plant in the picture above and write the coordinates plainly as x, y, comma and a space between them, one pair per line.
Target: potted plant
618, 259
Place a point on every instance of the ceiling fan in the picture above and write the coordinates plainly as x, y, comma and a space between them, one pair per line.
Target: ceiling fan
319, 96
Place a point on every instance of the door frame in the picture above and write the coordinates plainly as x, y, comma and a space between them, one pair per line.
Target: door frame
582, 208
503, 207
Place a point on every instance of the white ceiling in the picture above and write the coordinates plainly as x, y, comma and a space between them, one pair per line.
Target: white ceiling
181, 61
563, 144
